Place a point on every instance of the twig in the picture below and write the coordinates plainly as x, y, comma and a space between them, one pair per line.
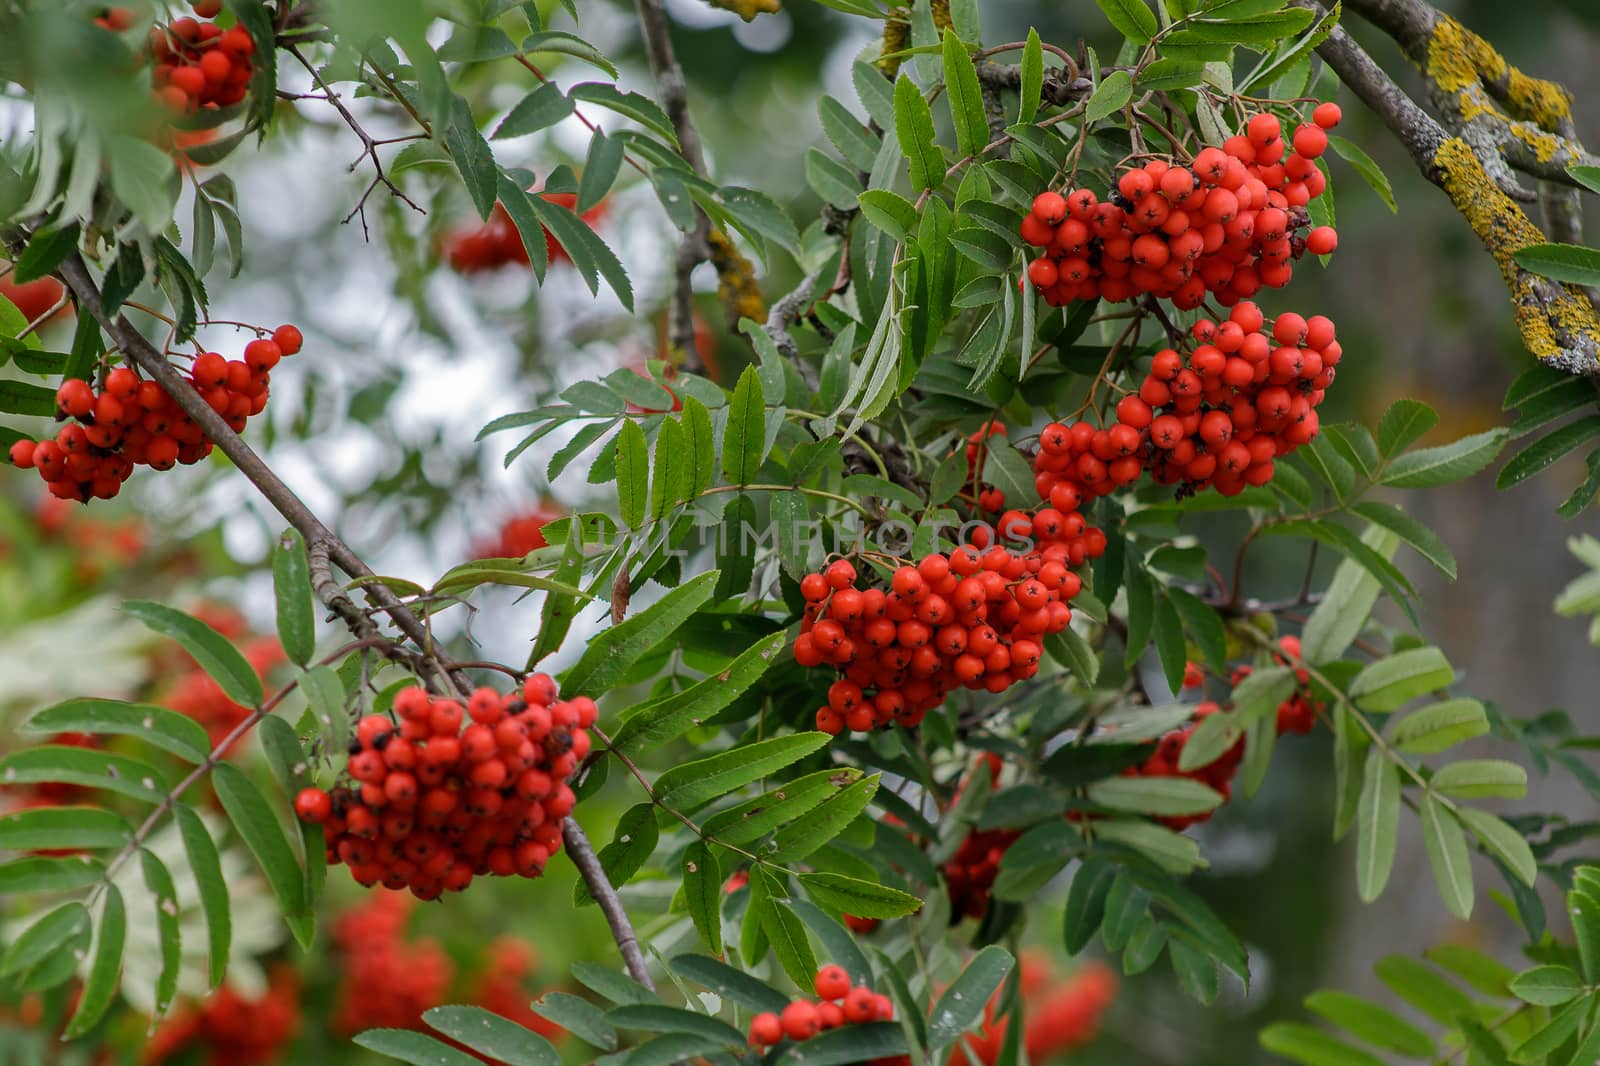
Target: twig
283, 499
785, 313
1558, 322
696, 245
369, 148
594, 876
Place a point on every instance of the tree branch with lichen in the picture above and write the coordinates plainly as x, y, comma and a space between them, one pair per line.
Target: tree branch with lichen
703, 243
1558, 322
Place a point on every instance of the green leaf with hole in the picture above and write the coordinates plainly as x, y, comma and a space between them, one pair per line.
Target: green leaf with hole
175, 733
100, 987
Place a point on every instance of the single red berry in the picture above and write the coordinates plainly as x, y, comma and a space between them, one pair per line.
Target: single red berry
287, 338
800, 1020
1327, 115
313, 805
765, 1029
832, 982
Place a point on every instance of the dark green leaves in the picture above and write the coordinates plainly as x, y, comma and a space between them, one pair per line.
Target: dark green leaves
702, 892
630, 848
852, 895
1570, 263
1402, 423
159, 727
965, 98
633, 474
210, 649
913, 123
729, 983
38, 828
691, 785
101, 985
418, 1049
1547, 449
258, 826
1132, 18
492, 1035
744, 438
472, 156
206, 865
961, 1005
291, 580
611, 654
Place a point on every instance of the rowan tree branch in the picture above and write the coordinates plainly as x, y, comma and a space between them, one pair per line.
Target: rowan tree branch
594, 876
695, 248
325, 548
1463, 154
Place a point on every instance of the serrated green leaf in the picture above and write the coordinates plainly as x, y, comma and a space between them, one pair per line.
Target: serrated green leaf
964, 96
852, 895
1427, 467
610, 655
961, 1006
418, 1049
1392, 682
100, 987
913, 123
1166, 796
702, 892
1110, 96
1132, 18
729, 983
691, 785
1547, 986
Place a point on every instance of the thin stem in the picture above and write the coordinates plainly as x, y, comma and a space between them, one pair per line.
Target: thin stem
600, 887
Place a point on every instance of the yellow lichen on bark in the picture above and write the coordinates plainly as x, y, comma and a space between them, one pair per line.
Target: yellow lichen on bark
1544, 145
897, 35
736, 280
1549, 316
1459, 58
747, 9
896, 38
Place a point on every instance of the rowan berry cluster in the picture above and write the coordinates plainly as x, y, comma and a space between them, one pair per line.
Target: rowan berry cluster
497, 243
99, 546
1060, 1015
519, 535
1226, 223
199, 65
971, 872
838, 1003
972, 618
990, 499
233, 1029
385, 981
1217, 417
432, 804
129, 421
1218, 774
1298, 713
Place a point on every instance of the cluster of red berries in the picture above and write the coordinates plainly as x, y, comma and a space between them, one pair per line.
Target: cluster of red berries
990, 499
1061, 1015
1163, 762
233, 1029
131, 422
838, 1003
971, 872
1217, 417
199, 65
519, 535
973, 618
496, 243
1226, 223
1298, 713
385, 981
433, 804
195, 693
98, 546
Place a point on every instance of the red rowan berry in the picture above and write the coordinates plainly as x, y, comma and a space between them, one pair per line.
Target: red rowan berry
765, 1029
313, 805
832, 982
1049, 208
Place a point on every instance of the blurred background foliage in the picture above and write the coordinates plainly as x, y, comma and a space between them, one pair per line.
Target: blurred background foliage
408, 358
